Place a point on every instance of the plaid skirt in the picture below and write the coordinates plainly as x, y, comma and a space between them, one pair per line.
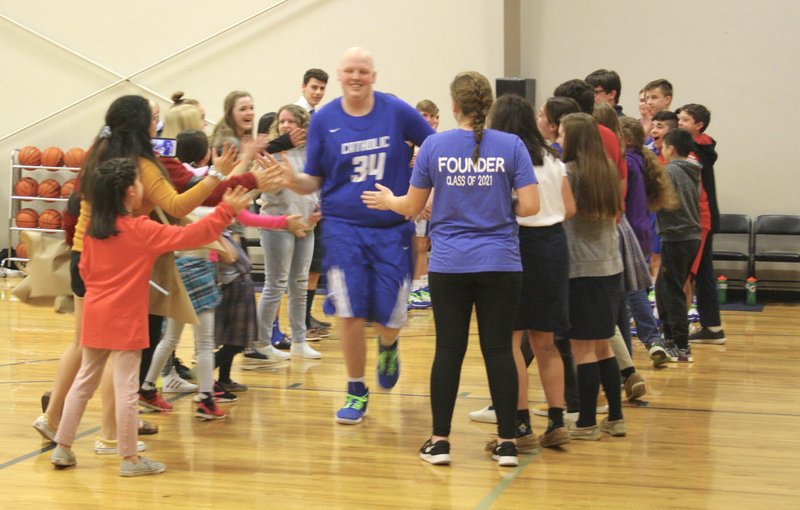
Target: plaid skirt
635, 273
200, 279
235, 322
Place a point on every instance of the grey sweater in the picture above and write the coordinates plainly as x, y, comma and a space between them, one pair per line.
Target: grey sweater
682, 223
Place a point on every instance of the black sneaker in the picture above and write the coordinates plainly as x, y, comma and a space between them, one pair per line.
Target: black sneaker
685, 355
254, 359
672, 350
437, 453
221, 395
184, 372
706, 336
505, 454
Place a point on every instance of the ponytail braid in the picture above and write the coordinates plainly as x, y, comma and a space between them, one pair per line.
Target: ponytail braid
473, 93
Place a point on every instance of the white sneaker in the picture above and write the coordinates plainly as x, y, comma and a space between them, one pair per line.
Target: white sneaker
271, 352
172, 383
303, 350
109, 446
485, 415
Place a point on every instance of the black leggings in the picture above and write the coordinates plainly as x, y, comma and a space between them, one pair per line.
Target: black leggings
223, 359
495, 296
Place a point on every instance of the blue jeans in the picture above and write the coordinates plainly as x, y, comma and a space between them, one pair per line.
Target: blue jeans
286, 262
642, 312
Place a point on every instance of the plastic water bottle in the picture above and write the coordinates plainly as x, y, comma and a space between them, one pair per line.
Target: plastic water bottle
750, 288
722, 289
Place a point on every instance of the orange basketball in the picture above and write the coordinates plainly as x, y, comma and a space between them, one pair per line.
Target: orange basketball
27, 218
53, 156
21, 251
74, 157
67, 187
50, 218
30, 155
26, 187
49, 188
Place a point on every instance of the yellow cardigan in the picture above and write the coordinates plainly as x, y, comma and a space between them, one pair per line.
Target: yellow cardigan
158, 191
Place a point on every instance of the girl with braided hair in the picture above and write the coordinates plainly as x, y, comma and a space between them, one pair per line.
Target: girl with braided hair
475, 258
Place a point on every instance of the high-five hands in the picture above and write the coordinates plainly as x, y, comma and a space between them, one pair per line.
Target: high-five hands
377, 199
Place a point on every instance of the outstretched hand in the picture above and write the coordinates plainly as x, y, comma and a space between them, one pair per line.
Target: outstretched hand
250, 146
314, 218
237, 198
377, 199
297, 136
226, 160
296, 225
276, 173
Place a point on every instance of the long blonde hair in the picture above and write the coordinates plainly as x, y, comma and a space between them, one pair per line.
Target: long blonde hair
473, 94
593, 177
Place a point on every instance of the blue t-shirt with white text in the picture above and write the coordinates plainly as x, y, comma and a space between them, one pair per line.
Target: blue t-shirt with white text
473, 227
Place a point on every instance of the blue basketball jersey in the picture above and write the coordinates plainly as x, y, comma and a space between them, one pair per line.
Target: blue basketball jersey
351, 154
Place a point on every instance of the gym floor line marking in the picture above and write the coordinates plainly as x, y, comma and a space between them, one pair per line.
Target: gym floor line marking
503, 484
31, 362
44, 449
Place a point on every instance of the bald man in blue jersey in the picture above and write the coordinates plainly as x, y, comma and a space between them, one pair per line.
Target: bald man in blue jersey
355, 141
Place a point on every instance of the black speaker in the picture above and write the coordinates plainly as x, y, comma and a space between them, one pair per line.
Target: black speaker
525, 87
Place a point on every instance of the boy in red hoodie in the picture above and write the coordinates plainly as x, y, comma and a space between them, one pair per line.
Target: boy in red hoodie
695, 118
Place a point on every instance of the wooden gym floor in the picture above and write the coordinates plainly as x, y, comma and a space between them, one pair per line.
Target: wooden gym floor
721, 433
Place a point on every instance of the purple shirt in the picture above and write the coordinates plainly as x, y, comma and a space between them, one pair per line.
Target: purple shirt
636, 202
473, 226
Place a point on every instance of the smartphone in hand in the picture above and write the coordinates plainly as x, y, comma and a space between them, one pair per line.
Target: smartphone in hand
164, 146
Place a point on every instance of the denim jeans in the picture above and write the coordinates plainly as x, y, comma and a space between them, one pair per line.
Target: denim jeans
286, 262
642, 312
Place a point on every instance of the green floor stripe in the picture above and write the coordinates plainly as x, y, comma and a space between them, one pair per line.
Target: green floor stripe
498, 489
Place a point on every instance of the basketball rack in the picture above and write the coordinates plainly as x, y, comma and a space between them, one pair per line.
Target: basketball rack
15, 204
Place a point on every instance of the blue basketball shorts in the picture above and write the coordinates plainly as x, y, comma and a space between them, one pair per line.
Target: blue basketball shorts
368, 270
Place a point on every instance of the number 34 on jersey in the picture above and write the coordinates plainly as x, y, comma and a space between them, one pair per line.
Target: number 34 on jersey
368, 164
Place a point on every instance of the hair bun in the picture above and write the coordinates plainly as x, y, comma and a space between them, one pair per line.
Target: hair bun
177, 97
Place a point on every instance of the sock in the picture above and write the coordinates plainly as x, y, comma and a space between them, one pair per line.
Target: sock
382, 348
555, 417
588, 388
416, 285
310, 293
627, 372
609, 376
523, 422
714, 329
148, 386
356, 386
